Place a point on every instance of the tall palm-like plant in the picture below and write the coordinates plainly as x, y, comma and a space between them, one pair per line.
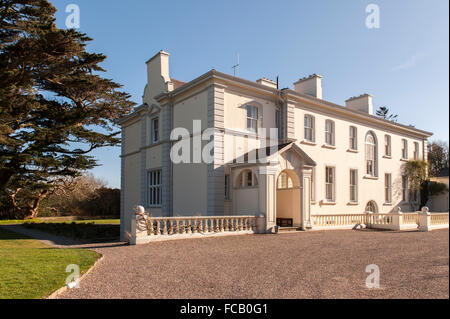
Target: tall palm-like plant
383, 112
417, 173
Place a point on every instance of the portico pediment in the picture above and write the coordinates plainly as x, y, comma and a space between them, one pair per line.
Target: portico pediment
292, 156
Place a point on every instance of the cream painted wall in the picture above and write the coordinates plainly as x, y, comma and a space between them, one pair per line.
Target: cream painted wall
190, 189
288, 205
192, 108
237, 139
236, 113
344, 160
245, 201
132, 142
154, 157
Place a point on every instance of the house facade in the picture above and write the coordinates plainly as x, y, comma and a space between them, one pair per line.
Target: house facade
286, 154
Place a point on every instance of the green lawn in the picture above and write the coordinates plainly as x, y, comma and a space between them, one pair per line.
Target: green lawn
12, 222
95, 221
85, 231
30, 269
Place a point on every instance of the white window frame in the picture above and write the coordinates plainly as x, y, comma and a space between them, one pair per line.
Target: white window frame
252, 117
416, 151
309, 129
154, 182
244, 182
353, 187
278, 122
353, 138
388, 188
387, 145
329, 132
227, 185
154, 129
330, 185
405, 185
404, 149
371, 161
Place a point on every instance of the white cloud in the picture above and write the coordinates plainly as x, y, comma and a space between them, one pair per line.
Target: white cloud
410, 62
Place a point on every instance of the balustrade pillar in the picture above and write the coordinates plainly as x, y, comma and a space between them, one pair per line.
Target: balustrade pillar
425, 220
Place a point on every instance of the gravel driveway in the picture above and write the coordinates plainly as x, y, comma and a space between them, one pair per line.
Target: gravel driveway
325, 264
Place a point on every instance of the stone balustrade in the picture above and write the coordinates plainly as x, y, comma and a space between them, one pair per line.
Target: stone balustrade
146, 228
410, 219
344, 221
428, 221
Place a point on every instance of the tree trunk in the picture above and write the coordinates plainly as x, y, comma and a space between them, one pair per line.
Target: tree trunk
5, 176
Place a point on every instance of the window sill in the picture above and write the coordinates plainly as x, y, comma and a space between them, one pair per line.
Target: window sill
403, 160
331, 147
353, 203
352, 151
246, 187
152, 206
388, 204
387, 157
313, 202
306, 142
326, 202
370, 177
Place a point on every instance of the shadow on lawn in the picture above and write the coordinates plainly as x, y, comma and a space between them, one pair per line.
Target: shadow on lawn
66, 234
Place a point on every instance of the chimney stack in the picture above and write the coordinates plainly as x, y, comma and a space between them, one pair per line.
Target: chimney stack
310, 85
362, 103
158, 77
267, 82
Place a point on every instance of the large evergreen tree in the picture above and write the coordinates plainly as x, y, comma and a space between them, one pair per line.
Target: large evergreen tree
55, 108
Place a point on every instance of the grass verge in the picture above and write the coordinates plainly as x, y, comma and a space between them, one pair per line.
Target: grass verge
79, 230
32, 270
62, 220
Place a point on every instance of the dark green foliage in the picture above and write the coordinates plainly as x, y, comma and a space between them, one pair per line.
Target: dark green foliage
431, 188
383, 112
84, 231
54, 106
438, 157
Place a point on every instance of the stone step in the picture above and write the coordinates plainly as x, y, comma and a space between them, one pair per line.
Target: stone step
288, 229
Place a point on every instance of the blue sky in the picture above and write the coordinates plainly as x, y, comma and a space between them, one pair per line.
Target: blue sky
404, 64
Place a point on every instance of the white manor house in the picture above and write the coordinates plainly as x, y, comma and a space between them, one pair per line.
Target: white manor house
329, 159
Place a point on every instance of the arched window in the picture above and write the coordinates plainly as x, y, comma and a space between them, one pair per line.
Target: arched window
247, 179
371, 155
285, 181
371, 207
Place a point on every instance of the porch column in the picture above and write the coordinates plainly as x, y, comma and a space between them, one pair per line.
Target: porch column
305, 200
267, 196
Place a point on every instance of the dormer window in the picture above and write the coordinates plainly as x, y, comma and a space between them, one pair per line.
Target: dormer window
252, 118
